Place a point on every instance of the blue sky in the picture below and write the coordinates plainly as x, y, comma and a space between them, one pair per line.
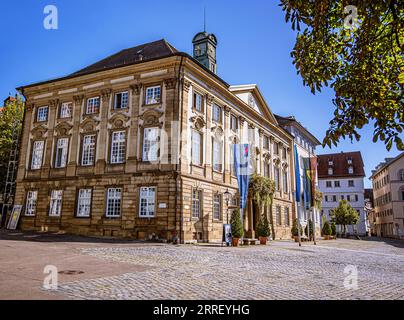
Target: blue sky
254, 47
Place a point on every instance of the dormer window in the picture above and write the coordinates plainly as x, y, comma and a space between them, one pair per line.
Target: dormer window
330, 162
350, 170
349, 161
330, 171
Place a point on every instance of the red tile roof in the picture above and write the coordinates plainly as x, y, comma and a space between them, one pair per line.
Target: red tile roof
340, 165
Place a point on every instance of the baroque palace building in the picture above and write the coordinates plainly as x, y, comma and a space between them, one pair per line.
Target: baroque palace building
139, 145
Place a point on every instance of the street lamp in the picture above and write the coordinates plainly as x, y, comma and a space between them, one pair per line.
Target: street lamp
227, 196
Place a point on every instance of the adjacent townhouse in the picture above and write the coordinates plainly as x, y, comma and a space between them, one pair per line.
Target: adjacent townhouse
388, 194
341, 176
306, 144
139, 145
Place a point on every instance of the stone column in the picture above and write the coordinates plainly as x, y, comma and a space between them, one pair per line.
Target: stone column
102, 143
208, 137
75, 138
184, 126
170, 108
227, 145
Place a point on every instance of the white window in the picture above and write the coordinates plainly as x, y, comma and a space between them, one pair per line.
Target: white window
153, 95
147, 206
93, 105
277, 178
30, 206
198, 102
84, 203
330, 171
66, 110
42, 114
217, 206
37, 155
350, 170
88, 151
121, 100
196, 148
217, 114
56, 203
118, 148
330, 162
61, 152
217, 155
285, 181
151, 144
196, 203
114, 202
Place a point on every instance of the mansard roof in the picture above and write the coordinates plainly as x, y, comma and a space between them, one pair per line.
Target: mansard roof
340, 165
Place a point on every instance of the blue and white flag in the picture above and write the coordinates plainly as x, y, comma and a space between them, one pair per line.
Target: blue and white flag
242, 166
297, 176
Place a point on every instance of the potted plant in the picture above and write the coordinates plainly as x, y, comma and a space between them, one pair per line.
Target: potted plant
310, 225
333, 230
295, 231
327, 231
263, 230
236, 228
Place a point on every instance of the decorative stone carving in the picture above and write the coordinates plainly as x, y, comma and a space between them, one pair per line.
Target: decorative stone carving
217, 131
106, 93
266, 156
78, 99
170, 83
198, 122
260, 132
29, 106
136, 88
119, 120
89, 125
151, 117
251, 126
53, 103
186, 84
235, 139
63, 128
242, 120
39, 131
226, 110
209, 99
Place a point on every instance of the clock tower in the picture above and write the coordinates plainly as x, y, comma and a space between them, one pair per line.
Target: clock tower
205, 50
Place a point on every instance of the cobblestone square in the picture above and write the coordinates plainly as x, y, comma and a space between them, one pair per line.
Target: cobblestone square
280, 270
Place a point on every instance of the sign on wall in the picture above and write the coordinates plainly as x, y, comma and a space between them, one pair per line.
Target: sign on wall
14, 218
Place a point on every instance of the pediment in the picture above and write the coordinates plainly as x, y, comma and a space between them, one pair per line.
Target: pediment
151, 117
89, 125
39, 131
252, 96
63, 128
119, 120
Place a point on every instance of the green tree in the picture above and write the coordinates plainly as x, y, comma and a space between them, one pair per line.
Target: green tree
344, 214
295, 231
327, 229
10, 117
262, 191
333, 229
236, 225
360, 59
263, 229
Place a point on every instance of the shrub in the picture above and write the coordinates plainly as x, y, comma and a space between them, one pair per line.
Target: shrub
310, 225
333, 229
236, 225
263, 229
295, 231
327, 229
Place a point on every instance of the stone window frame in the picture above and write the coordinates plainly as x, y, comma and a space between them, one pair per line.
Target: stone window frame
59, 111
142, 141
51, 203
234, 116
111, 132
107, 188
203, 98
201, 154
221, 108
32, 153
155, 201
150, 86
214, 203
286, 213
55, 142
278, 215
26, 203
216, 140
36, 120
92, 97
76, 207
82, 135
200, 202
114, 95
